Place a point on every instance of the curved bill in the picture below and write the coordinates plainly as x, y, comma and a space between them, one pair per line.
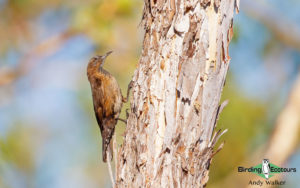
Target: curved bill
107, 54
104, 57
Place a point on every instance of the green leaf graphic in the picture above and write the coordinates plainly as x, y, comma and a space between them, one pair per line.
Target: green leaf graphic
258, 170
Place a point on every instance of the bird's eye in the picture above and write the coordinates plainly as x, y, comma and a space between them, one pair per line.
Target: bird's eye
94, 60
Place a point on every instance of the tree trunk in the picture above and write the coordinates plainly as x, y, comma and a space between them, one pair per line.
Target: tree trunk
176, 93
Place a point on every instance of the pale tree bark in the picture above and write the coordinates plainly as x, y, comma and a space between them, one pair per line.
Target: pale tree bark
176, 92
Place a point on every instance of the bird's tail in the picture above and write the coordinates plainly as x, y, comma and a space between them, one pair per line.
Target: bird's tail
267, 176
107, 147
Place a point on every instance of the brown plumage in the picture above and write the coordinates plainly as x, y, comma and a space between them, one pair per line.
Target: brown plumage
107, 99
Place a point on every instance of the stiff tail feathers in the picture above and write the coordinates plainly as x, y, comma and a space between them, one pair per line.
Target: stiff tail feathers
107, 134
107, 148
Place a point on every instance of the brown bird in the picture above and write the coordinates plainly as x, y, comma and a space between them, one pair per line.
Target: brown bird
107, 99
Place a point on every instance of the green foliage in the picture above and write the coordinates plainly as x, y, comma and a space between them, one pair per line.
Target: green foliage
236, 33
93, 18
16, 148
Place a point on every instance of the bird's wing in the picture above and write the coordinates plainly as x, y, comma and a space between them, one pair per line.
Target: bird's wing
113, 99
117, 98
97, 96
264, 168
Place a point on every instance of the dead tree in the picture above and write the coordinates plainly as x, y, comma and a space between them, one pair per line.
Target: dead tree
176, 92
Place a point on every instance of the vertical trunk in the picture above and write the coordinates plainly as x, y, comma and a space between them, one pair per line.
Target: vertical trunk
176, 93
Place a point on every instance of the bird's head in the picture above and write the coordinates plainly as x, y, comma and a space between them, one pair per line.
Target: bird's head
98, 61
265, 161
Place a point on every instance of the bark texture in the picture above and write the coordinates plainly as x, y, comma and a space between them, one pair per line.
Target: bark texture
177, 87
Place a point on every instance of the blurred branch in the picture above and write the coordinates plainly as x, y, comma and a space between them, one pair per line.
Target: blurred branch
44, 48
285, 134
281, 145
283, 141
285, 30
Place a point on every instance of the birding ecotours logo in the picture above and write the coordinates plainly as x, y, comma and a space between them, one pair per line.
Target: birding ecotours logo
266, 169
265, 166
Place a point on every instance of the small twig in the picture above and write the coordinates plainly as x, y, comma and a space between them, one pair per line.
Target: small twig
115, 148
110, 170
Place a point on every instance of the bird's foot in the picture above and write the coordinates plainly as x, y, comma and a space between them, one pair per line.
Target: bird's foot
127, 113
125, 100
123, 120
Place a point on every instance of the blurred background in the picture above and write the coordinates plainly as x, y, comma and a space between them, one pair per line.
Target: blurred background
48, 133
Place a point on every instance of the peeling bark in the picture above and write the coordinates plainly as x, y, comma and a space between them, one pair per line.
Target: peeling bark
176, 93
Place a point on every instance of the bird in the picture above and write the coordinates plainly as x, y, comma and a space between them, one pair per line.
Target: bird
266, 168
107, 101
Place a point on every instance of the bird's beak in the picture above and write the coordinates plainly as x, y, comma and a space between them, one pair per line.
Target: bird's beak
104, 57
107, 54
